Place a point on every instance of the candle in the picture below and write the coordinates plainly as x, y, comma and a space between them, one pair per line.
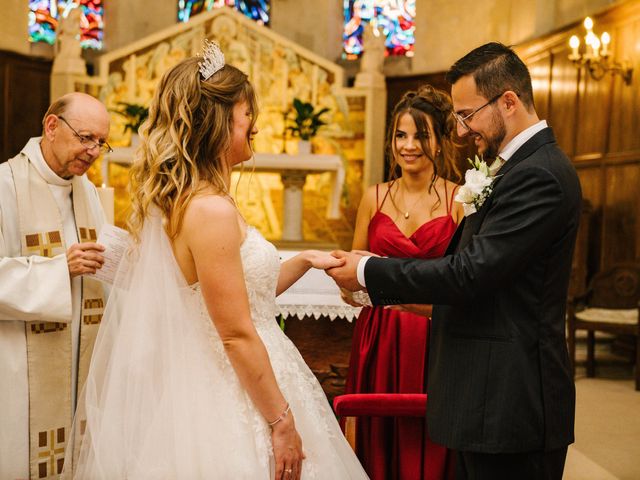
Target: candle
574, 43
105, 194
606, 39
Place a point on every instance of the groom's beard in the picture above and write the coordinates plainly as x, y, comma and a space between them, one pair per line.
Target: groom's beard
495, 140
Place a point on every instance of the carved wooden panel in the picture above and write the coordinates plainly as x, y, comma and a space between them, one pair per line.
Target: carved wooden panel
596, 123
626, 100
592, 122
562, 104
540, 70
620, 213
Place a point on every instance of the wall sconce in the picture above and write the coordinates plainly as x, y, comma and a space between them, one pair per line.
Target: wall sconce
596, 55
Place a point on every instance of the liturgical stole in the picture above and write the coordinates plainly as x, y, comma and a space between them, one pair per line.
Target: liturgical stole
49, 344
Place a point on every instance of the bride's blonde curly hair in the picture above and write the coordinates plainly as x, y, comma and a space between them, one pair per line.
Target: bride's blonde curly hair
184, 141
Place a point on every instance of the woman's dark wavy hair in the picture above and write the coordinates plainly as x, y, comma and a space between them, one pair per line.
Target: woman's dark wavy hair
436, 104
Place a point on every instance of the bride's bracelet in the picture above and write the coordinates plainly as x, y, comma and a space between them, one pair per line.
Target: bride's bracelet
282, 416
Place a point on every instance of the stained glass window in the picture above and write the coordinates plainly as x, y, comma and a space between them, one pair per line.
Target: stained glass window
258, 10
394, 18
44, 16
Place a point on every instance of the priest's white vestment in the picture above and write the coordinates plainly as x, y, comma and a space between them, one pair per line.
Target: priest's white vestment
36, 288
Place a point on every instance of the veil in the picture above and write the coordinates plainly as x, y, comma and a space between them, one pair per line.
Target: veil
137, 413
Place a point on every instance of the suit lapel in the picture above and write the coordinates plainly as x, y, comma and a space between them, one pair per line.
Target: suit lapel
473, 222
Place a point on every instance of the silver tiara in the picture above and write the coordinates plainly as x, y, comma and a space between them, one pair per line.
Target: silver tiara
212, 59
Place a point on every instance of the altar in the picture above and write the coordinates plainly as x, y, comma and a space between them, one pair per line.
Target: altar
293, 170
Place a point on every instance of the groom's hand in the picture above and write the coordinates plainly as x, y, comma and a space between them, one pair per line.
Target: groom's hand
346, 276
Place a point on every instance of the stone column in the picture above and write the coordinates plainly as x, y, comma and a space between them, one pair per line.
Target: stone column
68, 63
371, 79
292, 204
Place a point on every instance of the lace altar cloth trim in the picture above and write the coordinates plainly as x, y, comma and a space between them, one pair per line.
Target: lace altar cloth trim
345, 311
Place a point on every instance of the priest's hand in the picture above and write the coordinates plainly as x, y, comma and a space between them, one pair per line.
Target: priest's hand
84, 258
346, 276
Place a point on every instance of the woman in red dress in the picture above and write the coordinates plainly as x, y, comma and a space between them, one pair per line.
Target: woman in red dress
411, 215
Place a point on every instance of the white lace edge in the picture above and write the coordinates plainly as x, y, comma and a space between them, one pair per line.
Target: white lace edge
346, 312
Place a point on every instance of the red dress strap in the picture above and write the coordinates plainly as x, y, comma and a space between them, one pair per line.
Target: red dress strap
385, 195
453, 194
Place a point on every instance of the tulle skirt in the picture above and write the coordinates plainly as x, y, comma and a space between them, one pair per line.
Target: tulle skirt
162, 400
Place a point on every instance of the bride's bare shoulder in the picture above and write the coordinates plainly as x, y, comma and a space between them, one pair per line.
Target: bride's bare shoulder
211, 206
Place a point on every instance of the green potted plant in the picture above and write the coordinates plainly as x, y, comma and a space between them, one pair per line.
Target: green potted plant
135, 114
306, 123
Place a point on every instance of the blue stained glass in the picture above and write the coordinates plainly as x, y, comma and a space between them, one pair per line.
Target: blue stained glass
395, 18
45, 14
258, 10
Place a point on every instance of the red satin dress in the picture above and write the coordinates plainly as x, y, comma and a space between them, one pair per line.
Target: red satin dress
389, 355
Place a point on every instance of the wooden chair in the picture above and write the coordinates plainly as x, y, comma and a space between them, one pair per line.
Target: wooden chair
611, 304
353, 405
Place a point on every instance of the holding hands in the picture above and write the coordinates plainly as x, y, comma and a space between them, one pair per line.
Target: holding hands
346, 276
323, 260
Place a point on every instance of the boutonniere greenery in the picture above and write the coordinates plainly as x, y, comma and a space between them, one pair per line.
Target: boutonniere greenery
478, 185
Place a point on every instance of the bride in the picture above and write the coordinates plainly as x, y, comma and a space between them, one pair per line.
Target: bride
191, 376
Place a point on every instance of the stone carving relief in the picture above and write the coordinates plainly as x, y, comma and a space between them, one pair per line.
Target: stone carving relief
279, 74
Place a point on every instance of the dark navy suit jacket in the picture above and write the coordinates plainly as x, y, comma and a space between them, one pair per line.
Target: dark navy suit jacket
499, 374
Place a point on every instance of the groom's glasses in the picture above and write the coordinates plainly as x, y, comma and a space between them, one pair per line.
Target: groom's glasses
467, 118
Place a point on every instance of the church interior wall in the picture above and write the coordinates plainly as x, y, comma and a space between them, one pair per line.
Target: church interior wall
593, 120
445, 30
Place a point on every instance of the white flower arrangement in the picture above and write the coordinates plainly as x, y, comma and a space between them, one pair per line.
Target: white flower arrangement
477, 186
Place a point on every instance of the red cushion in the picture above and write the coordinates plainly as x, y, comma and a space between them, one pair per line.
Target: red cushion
381, 405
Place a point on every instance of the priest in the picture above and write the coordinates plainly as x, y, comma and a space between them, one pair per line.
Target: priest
50, 311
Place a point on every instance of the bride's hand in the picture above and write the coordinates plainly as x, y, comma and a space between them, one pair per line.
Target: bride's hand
323, 260
287, 449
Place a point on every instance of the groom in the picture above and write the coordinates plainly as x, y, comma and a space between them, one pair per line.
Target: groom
500, 388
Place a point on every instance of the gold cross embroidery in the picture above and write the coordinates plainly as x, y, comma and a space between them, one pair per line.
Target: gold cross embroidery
93, 309
47, 327
49, 464
43, 243
87, 234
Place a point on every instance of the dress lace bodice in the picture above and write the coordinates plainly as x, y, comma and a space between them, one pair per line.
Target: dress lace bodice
261, 265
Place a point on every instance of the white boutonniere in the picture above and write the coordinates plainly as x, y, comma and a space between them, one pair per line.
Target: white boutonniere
477, 186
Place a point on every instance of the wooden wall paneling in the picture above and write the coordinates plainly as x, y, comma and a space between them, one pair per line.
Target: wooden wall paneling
592, 125
540, 69
620, 213
562, 114
591, 180
626, 98
25, 99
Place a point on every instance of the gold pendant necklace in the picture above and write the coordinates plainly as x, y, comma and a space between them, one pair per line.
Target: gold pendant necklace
406, 213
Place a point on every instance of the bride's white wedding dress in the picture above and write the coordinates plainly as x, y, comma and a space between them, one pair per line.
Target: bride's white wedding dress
162, 400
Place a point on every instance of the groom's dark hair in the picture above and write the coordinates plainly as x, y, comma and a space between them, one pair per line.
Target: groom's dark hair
495, 68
